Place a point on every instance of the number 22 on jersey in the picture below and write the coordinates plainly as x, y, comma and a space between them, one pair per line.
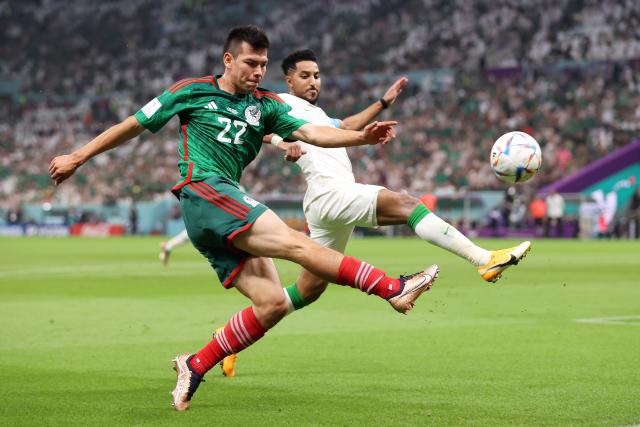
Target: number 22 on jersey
240, 127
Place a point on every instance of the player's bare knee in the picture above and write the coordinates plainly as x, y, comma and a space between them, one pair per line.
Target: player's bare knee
278, 306
271, 308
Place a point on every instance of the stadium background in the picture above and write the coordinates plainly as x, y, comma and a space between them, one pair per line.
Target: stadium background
565, 71
88, 325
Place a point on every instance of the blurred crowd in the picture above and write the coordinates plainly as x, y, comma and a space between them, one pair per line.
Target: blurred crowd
565, 71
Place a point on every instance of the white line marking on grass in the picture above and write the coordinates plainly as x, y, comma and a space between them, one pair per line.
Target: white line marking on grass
616, 320
121, 269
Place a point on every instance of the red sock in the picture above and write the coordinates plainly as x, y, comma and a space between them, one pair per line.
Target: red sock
358, 274
242, 330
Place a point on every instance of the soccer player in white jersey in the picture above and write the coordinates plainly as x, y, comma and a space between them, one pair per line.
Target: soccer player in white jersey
166, 247
334, 203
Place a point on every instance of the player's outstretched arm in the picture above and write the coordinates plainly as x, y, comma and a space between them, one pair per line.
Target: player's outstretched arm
62, 167
292, 151
359, 120
330, 137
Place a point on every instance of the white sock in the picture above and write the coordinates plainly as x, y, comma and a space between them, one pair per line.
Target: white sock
434, 230
177, 240
291, 308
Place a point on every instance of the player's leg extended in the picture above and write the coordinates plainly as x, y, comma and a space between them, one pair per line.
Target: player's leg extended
397, 208
270, 237
258, 280
308, 287
166, 247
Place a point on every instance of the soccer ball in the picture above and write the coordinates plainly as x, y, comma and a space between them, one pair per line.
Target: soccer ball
515, 157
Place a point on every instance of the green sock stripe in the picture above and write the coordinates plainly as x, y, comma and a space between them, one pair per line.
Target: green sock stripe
296, 298
416, 216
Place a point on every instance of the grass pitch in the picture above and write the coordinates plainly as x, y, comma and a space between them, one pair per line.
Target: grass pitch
88, 328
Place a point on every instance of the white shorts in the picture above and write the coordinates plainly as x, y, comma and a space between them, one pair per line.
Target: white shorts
333, 212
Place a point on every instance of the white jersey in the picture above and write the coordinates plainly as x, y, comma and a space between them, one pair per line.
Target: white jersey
334, 203
322, 167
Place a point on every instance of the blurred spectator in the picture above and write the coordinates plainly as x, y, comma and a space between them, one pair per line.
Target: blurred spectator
507, 205
607, 206
14, 215
538, 213
518, 214
133, 219
555, 215
495, 221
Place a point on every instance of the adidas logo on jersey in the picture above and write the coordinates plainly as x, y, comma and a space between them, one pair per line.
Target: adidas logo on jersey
211, 106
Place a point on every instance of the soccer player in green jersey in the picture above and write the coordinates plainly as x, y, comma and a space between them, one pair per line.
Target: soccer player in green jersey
223, 120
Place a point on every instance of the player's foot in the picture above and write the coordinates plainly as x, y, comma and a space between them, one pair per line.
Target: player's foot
164, 254
228, 364
187, 384
413, 286
503, 259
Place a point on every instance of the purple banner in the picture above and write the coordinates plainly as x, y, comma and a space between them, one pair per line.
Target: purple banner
504, 73
597, 171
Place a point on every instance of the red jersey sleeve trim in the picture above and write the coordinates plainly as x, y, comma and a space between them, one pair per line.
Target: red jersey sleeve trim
259, 93
186, 82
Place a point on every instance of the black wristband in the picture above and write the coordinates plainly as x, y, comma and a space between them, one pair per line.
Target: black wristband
384, 103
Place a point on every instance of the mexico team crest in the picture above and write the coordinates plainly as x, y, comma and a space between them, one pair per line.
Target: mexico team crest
252, 114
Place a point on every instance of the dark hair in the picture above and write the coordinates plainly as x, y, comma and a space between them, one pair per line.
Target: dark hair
289, 63
246, 33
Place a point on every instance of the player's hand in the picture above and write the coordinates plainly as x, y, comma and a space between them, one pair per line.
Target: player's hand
394, 90
62, 167
292, 151
379, 132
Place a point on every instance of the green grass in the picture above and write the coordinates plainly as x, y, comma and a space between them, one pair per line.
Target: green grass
88, 327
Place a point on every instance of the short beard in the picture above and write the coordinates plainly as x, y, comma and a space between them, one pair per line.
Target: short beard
314, 102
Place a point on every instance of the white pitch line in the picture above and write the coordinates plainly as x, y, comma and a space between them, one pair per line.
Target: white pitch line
615, 320
137, 269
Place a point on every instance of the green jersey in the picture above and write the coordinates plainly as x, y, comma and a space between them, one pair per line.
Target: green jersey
220, 133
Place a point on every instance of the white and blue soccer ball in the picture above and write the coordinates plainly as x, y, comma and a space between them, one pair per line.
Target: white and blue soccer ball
515, 157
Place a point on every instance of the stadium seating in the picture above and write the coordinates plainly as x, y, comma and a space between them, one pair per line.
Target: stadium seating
568, 76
